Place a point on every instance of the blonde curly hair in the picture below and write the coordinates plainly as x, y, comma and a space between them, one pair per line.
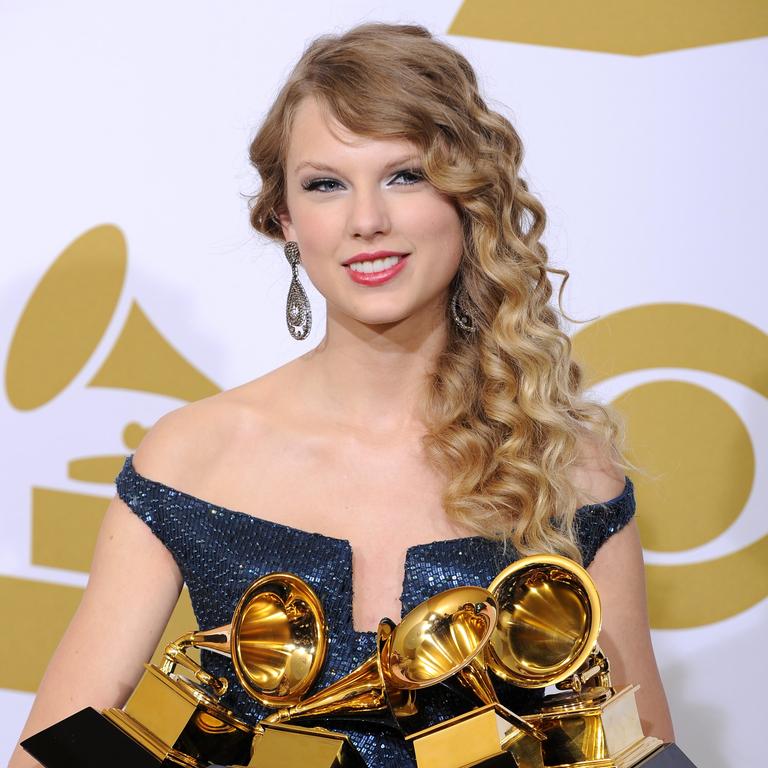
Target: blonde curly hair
505, 412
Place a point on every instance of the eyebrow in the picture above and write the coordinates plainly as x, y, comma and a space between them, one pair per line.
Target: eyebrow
406, 160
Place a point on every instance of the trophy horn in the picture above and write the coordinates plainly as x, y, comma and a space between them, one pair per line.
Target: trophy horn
363, 692
548, 621
277, 641
443, 638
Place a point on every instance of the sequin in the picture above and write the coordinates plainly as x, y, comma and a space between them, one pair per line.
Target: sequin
220, 552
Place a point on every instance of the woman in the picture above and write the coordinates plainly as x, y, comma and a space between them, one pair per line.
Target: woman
436, 433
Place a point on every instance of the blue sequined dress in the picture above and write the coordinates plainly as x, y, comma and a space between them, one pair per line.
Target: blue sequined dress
220, 552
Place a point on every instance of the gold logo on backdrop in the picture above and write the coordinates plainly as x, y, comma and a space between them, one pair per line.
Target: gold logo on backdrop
697, 450
633, 27
62, 327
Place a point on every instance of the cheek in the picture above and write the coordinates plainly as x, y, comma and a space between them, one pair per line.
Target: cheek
438, 228
316, 228
317, 237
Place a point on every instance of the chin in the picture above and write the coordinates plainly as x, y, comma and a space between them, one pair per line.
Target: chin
373, 313
382, 313
382, 320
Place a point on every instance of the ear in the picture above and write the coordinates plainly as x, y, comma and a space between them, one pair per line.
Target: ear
286, 224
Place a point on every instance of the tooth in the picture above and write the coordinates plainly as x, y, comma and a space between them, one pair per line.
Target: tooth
378, 265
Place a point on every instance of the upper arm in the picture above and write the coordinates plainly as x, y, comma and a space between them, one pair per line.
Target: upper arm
625, 638
134, 581
619, 575
132, 588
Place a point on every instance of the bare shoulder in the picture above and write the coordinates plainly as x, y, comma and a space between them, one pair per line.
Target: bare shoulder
596, 474
196, 437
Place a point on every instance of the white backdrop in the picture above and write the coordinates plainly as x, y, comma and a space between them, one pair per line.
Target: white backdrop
652, 169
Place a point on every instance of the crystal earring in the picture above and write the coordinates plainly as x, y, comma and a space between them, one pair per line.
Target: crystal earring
298, 313
462, 316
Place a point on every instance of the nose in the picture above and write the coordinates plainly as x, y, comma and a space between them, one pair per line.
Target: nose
368, 214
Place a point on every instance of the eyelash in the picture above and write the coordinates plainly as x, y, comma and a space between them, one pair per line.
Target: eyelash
314, 185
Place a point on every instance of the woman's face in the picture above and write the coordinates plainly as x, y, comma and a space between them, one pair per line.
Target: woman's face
349, 197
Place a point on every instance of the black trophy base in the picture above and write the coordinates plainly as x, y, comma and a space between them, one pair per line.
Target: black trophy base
88, 740
667, 756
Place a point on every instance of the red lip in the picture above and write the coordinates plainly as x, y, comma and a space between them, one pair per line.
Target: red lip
372, 256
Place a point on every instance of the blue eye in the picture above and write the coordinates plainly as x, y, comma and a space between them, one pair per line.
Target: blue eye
321, 185
411, 176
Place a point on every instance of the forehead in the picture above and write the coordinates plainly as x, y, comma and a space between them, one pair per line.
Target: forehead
316, 136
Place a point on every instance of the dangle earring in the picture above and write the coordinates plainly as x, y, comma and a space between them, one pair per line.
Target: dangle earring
461, 315
298, 313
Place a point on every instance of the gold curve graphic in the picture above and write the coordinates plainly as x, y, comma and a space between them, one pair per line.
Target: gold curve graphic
631, 28
65, 317
687, 439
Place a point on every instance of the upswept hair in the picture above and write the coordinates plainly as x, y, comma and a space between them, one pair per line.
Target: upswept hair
505, 412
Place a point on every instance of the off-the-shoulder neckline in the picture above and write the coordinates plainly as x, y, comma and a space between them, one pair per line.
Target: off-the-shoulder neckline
616, 500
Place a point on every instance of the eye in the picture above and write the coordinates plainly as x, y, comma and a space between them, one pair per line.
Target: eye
409, 176
321, 185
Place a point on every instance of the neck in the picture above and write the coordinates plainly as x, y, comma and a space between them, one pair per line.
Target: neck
374, 377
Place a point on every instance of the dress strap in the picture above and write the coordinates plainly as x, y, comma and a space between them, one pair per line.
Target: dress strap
165, 510
596, 523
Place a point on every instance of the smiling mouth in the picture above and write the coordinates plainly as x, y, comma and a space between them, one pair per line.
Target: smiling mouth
375, 265
376, 271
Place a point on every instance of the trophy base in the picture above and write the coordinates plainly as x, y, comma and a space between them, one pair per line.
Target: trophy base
168, 720
594, 729
487, 737
88, 740
174, 719
286, 746
149, 741
629, 758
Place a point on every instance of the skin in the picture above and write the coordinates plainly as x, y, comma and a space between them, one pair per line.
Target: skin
346, 418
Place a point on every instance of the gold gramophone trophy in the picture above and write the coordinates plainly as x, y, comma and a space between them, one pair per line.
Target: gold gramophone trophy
277, 642
549, 620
